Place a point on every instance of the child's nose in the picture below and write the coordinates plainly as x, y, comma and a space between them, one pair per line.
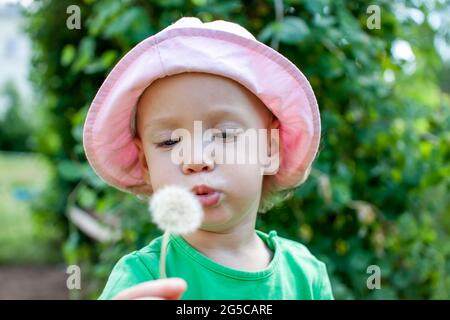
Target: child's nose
206, 165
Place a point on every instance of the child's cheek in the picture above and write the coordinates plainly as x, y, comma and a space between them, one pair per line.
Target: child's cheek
162, 171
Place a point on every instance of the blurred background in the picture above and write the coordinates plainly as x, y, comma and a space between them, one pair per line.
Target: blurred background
378, 194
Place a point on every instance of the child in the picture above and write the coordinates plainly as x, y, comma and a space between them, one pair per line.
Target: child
216, 74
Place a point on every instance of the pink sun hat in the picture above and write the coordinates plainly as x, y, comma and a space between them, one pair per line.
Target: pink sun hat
221, 48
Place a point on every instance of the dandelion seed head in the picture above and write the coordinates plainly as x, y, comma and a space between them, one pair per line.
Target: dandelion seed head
176, 210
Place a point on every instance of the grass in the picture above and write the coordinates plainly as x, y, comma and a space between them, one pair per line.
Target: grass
22, 176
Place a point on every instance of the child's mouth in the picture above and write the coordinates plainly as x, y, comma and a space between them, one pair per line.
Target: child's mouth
207, 196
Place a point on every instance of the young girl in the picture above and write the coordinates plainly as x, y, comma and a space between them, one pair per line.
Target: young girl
218, 75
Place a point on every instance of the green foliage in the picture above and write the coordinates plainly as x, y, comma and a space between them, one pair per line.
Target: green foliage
378, 191
14, 129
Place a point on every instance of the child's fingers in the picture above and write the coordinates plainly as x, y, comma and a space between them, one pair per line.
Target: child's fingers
171, 288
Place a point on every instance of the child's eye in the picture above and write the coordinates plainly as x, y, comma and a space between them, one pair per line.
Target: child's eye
226, 136
168, 143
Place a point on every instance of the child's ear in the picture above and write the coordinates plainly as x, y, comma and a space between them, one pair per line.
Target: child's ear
273, 147
142, 160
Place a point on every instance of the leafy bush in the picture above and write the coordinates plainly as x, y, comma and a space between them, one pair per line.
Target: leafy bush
378, 191
14, 129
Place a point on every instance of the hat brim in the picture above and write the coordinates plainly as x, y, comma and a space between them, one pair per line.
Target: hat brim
278, 83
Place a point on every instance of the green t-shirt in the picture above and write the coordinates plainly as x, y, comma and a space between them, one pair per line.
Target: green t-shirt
293, 273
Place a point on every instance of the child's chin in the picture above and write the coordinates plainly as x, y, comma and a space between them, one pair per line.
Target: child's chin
215, 221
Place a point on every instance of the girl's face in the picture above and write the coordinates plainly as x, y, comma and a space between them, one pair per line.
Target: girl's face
175, 102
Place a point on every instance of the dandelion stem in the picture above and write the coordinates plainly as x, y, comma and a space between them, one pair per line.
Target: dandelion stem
162, 258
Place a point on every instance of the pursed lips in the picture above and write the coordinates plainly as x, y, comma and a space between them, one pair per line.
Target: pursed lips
207, 196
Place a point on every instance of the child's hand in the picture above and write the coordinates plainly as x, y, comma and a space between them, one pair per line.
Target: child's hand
161, 289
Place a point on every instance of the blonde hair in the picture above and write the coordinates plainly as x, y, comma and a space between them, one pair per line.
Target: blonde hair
272, 195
